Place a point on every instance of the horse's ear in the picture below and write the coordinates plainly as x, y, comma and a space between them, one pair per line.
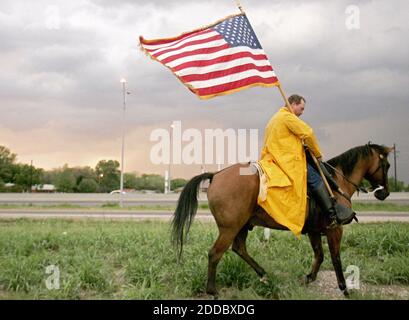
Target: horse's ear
389, 150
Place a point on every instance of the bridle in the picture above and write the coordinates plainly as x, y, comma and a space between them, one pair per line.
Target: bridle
382, 165
358, 188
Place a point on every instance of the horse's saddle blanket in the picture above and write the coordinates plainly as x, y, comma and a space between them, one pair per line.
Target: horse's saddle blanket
262, 193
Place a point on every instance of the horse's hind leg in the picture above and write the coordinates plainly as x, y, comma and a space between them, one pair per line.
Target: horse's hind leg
223, 242
316, 243
334, 237
239, 246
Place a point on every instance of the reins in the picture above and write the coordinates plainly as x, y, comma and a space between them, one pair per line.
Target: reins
358, 188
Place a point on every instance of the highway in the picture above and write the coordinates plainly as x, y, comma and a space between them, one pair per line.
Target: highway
85, 201
90, 199
134, 199
158, 214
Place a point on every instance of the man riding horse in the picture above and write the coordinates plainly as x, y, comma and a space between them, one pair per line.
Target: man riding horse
284, 162
238, 200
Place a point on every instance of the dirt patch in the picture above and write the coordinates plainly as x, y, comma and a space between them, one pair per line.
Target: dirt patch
326, 284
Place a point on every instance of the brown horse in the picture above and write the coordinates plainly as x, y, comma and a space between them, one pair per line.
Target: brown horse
232, 198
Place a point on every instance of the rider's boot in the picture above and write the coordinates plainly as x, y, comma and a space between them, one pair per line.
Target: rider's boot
337, 213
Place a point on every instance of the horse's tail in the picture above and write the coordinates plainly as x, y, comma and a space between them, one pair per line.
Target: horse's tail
186, 210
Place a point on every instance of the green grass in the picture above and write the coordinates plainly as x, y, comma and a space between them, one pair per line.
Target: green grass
35, 206
358, 206
105, 206
380, 206
130, 260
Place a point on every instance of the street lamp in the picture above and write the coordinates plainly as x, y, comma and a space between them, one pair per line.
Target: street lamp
31, 176
172, 126
100, 176
123, 81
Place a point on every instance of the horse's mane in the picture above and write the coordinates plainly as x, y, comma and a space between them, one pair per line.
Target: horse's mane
350, 158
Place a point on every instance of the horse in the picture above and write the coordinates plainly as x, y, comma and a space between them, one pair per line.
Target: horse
232, 198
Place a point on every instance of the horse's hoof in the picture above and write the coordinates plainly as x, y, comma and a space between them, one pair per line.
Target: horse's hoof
264, 279
308, 279
213, 296
346, 293
213, 293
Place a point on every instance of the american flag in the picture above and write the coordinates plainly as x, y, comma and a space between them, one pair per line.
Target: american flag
219, 59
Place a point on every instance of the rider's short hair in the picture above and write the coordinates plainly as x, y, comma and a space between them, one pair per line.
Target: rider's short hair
295, 98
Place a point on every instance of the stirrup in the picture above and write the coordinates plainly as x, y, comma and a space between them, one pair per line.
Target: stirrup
344, 214
334, 223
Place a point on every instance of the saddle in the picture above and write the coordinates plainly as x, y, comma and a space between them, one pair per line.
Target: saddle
315, 216
313, 221
262, 193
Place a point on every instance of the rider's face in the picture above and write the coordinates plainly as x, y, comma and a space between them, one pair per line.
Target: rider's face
298, 108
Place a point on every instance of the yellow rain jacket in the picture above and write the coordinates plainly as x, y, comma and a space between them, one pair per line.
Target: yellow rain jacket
284, 163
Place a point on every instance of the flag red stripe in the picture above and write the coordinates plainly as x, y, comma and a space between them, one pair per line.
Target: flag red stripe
226, 58
210, 65
216, 37
170, 40
235, 85
226, 72
195, 52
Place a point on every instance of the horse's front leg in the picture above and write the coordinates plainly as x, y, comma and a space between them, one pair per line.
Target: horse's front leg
316, 243
334, 237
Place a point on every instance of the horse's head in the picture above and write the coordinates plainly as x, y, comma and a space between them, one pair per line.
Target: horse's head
377, 173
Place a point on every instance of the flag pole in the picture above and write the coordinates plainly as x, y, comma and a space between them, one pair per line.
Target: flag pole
279, 85
239, 6
324, 178
288, 105
312, 155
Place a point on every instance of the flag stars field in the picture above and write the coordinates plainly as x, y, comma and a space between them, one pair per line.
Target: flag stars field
219, 59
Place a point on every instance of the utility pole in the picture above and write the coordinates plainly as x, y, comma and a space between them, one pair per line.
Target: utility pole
121, 184
394, 162
172, 127
31, 175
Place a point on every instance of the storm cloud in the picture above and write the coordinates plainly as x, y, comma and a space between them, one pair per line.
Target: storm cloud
60, 96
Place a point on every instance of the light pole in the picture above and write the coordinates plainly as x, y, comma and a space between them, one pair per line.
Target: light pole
394, 165
31, 176
100, 176
172, 126
123, 81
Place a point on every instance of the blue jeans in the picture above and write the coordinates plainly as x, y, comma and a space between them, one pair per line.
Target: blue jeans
313, 177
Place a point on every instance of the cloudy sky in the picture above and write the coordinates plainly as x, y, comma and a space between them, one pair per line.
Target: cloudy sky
61, 62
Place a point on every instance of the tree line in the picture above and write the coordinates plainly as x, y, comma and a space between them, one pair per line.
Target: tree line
105, 177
